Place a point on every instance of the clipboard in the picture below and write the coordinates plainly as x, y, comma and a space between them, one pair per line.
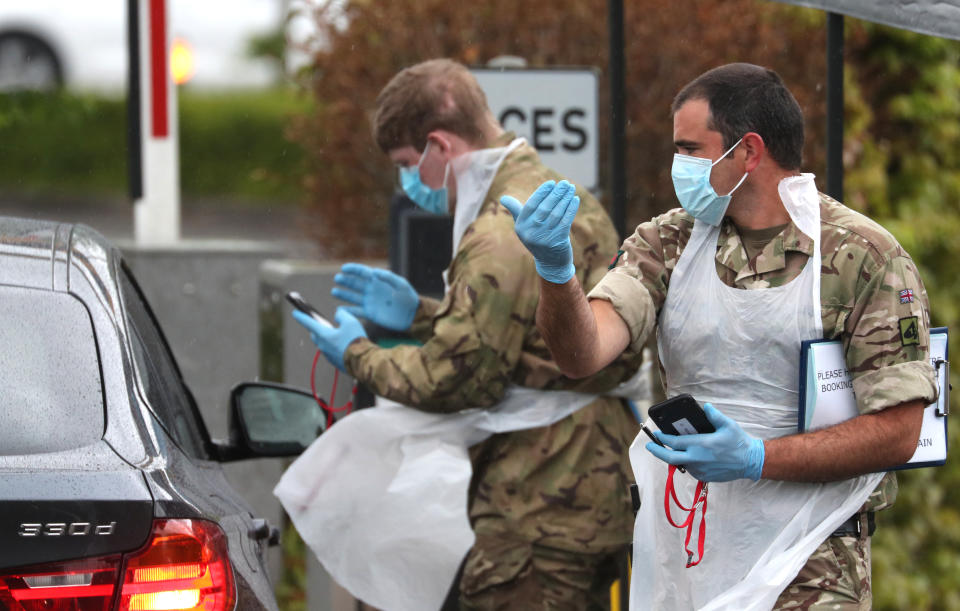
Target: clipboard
827, 398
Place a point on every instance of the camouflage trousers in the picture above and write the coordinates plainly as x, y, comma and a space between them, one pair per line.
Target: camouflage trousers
500, 573
837, 576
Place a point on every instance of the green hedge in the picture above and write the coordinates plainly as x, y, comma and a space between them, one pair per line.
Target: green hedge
232, 145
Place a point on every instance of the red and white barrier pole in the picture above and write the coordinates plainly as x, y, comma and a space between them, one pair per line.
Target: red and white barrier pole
156, 209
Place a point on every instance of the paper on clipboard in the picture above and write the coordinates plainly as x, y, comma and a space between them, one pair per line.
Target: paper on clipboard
827, 397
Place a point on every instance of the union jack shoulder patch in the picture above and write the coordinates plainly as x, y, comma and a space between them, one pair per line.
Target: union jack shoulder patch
906, 296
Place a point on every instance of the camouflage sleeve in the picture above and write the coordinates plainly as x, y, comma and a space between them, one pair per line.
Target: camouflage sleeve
422, 325
477, 331
887, 336
636, 284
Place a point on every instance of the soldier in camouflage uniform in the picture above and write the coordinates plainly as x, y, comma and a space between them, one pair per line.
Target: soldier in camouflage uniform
871, 299
550, 506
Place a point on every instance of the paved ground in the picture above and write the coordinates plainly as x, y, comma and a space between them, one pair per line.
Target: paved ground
200, 220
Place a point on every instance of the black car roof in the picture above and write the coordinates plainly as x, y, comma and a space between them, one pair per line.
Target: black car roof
39, 253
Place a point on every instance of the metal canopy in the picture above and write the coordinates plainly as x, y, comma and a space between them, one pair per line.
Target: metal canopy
934, 17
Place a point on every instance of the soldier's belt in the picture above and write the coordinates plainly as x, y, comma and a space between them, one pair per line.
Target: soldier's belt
853, 527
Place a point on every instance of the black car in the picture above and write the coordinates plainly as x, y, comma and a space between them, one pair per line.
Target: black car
112, 495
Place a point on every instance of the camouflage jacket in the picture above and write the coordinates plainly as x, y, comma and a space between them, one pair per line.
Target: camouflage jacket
864, 275
566, 485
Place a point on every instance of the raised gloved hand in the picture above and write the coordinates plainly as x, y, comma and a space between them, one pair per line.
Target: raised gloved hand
333, 341
378, 295
543, 225
726, 454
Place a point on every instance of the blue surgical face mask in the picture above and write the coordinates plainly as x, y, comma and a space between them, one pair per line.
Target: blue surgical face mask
431, 200
691, 181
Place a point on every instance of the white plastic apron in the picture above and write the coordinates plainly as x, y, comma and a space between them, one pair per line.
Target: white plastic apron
475, 172
739, 350
381, 497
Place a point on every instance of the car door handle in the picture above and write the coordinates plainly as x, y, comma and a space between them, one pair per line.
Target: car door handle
262, 529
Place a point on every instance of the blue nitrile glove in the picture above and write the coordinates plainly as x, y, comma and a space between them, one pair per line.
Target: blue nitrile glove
333, 341
726, 454
378, 295
543, 225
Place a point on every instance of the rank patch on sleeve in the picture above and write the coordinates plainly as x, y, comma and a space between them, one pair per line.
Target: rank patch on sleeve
613, 262
906, 296
909, 331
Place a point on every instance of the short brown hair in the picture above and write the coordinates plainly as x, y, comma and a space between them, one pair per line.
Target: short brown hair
747, 98
435, 94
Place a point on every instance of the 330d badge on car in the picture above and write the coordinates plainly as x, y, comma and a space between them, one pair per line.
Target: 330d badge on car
65, 529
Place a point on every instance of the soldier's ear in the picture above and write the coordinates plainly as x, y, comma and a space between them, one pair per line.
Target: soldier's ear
441, 141
754, 150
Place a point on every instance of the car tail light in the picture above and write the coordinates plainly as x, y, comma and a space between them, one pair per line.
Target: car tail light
81, 585
184, 566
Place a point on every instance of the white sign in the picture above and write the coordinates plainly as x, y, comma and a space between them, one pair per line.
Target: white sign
554, 109
827, 398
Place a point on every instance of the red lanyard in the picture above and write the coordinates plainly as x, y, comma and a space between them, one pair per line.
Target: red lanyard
328, 408
699, 500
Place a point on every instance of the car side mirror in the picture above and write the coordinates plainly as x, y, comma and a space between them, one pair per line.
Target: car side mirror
269, 419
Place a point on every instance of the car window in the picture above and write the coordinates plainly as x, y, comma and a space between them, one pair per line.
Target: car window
51, 394
160, 380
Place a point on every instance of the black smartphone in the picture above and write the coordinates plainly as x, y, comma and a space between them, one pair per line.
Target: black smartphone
680, 415
653, 438
301, 304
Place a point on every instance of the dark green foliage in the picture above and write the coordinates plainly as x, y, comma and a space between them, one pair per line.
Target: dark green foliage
232, 145
902, 154
62, 143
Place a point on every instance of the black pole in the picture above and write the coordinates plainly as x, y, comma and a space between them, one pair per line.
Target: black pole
835, 106
134, 161
618, 182
618, 130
